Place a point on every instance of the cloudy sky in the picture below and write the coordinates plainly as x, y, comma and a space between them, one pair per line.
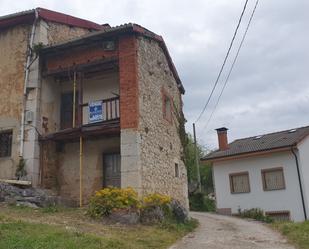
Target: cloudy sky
269, 87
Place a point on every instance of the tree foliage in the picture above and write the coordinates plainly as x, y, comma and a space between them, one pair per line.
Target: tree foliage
205, 169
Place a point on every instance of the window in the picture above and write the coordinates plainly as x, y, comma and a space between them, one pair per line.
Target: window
273, 179
239, 182
5, 143
167, 107
176, 170
279, 215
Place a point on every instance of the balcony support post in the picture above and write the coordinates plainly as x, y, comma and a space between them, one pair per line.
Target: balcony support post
80, 99
74, 100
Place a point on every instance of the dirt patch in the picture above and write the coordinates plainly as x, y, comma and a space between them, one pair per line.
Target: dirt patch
223, 232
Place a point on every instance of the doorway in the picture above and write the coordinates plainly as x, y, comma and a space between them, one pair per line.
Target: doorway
111, 170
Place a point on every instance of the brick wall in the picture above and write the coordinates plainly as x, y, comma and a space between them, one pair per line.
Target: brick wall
79, 56
129, 111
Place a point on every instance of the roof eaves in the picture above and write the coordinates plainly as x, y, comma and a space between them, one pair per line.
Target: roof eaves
130, 27
59, 17
21, 13
214, 158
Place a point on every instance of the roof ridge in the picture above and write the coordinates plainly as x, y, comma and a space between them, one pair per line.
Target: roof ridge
302, 127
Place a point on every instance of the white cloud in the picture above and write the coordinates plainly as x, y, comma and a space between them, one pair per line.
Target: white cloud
268, 89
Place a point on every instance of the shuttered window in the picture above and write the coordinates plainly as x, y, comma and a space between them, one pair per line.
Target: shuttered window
239, 182
273, 179
5, 143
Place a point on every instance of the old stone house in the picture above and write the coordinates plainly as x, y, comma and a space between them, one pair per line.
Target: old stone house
88, 105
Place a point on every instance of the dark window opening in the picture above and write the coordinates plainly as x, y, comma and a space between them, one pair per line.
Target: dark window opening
177, 170
66, 119
6, 143
167, 108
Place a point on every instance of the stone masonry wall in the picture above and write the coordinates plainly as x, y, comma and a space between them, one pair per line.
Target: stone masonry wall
47, 33
161, 147
13, 47
68, 174
60, 32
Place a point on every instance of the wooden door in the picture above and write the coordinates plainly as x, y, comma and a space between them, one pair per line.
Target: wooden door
111, 170
66, 118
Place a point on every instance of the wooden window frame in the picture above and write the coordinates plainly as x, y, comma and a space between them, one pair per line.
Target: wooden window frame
165, 96
239, 174
9, 133
274, 213
263, 171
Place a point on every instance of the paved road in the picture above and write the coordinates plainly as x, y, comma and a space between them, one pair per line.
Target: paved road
223, 232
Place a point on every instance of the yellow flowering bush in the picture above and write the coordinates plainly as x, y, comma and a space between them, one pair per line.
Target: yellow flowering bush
156, 199
152, 207
107, 200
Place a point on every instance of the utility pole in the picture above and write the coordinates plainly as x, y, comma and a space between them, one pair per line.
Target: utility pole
197, 163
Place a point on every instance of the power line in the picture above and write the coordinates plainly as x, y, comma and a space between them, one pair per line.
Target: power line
225, 59
232, 66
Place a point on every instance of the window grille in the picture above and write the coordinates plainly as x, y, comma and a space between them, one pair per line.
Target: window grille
5, 143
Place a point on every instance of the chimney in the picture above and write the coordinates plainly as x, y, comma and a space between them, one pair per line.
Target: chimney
222, 138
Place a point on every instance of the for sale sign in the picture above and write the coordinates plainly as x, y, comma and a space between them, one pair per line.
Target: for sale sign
95, 111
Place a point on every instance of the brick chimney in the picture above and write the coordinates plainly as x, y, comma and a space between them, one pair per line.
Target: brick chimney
222, 138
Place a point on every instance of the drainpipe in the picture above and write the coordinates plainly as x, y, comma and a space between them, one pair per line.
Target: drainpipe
22, 126
300, 183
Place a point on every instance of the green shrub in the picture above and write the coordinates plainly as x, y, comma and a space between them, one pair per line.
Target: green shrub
107, 200
201, 202
256, 214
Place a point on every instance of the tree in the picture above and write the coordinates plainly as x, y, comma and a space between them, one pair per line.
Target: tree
205, 169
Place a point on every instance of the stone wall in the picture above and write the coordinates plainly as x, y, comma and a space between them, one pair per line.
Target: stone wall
13, 47
161, 148
60, 168
47, 33
60, 32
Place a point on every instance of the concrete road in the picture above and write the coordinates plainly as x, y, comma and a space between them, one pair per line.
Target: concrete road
224, 232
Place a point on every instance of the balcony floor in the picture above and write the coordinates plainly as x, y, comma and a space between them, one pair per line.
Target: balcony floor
105, 128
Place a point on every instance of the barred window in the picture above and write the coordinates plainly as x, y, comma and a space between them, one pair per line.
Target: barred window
239, 182
273, 179
5, 143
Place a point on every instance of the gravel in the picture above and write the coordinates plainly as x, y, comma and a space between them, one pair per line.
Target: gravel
224, 232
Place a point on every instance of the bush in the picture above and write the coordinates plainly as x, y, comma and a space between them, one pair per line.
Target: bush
107, 200
124, 206
201, 202
156, 199
156, 208
256, 214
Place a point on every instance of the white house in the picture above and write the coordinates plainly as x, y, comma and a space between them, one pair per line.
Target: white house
268, 171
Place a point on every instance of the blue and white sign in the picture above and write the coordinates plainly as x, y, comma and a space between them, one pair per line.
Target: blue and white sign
95, 111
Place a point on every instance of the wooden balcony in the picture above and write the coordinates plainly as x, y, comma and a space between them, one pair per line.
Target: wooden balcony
107, 125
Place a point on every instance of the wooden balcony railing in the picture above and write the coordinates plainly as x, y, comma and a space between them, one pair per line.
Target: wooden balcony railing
110, 110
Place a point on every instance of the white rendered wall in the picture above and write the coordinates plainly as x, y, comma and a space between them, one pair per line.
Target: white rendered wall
277, 200
303, 159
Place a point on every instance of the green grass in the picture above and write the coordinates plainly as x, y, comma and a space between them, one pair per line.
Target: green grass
296, 233
15, 235
22, 228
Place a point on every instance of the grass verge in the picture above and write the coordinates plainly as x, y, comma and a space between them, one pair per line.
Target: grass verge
69, 228
296, 233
